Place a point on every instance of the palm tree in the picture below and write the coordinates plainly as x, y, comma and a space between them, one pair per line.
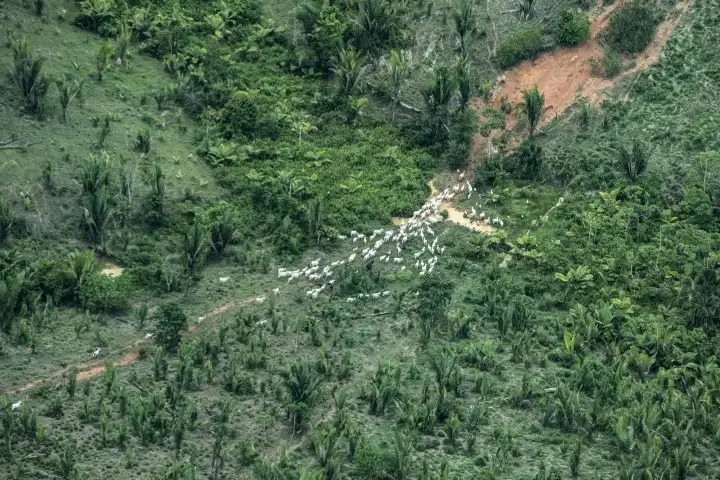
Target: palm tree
102, 59
443, 363
314, 218
67, 91
534, 102
374, 25
80, 265
95, 174
96, 215
399, 72
634, 161
437, 96
301, 384
122, 46
194, 246
350, 68
222, 234
28, 75
464, 18
6, 220
157, 184
464, 81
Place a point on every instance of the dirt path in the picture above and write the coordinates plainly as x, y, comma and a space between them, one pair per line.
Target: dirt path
96, 367
565, 74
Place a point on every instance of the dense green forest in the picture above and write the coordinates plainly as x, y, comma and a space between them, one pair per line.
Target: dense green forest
316, 240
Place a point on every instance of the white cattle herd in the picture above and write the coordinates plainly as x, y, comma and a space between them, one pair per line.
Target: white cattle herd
387, 246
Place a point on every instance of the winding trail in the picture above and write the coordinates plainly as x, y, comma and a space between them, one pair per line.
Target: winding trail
563, 76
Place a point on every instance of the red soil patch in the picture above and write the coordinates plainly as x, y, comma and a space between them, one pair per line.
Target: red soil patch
564, 75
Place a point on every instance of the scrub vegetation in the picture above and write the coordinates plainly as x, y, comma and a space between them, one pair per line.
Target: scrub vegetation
223, 254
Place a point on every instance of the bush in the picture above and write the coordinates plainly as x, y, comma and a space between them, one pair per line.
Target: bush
611, 63
171, 322
101, 293
572, 28
242, 114
519, 46
632, 27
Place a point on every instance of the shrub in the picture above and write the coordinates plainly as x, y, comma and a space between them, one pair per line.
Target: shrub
518, 47
105, 294
96, 16
611, 63
242, 113
572, 28
632, 27
171, 322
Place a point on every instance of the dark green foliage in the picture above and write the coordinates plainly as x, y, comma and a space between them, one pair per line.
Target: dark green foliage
242, 113
378, 26
39, 7
171, 323
194, 248
632, 26
101, 293
6, 220
435, 295
534, 104
143, 141
222, 233
572, 28
519, 46
703, 299
529, 158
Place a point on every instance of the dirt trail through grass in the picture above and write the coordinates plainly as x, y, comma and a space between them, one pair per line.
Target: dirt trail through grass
96, 367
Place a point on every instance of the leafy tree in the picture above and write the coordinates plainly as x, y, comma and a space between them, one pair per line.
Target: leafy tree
632, 26
572, 28
171, 323
534, 102
435, 295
